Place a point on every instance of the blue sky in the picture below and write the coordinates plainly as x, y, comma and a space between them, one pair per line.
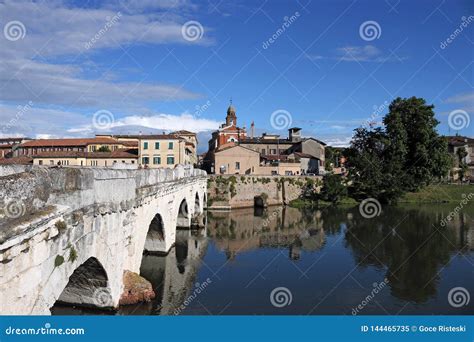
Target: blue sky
149, 75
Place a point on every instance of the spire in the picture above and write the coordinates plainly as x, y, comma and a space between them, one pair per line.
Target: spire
231, 118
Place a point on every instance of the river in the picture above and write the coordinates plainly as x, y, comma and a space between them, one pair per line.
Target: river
332, 261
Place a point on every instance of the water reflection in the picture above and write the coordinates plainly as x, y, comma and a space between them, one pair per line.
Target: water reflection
329, 259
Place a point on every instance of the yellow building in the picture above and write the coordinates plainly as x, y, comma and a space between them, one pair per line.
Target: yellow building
94, 159
162, 150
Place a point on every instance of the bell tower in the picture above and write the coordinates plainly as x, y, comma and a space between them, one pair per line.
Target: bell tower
231, 118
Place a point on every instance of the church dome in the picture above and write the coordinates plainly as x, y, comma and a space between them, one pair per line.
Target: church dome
231, 110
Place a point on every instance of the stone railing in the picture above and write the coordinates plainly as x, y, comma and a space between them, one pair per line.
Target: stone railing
33, 189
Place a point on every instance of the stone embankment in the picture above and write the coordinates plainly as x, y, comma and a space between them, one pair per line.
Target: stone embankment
239, 191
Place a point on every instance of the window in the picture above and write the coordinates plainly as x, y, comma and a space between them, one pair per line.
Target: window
170, 160
51, 162
40, 162
263, 151
237, 165
157, 160
170, 146
273, 151
145, 145
145, 160
157, 145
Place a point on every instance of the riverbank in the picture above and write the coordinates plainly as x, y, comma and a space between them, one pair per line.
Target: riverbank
440, 193
241, 191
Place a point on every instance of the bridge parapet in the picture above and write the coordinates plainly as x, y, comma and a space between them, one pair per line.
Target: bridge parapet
27, 192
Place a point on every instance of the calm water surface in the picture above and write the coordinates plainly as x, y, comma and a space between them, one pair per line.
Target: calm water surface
330, 260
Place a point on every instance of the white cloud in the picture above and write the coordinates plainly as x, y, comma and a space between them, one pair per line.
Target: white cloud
56, 30
461, 98
366, 53
165, 122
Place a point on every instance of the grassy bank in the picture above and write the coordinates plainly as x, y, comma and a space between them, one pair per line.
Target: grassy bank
438, 194
443, 193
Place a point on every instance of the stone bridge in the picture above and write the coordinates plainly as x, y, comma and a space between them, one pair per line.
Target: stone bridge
68, 234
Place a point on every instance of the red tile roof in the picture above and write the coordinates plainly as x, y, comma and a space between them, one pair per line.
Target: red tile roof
75, 154
69, 142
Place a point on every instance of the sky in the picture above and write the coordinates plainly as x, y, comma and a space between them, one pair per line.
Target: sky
77, 68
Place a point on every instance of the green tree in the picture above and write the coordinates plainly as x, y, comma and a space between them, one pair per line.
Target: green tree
461, 153
333, 190
415, 148
405, 155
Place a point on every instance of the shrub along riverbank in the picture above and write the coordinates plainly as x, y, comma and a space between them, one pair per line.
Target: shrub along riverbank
441, 193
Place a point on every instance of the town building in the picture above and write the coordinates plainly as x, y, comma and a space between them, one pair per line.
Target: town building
459, 145
115, 158
163, 150
34, 147
7, 145
231, 151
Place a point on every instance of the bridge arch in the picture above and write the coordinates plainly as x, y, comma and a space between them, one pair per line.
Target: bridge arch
155, 238
183, 216
87, 286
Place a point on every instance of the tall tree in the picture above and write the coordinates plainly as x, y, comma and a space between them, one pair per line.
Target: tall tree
405, 155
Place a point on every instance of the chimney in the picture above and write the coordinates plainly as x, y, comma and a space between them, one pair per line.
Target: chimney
252, 129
